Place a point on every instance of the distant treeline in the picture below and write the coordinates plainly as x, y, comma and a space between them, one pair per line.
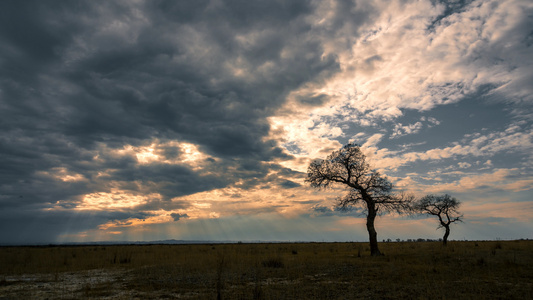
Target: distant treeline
437, 240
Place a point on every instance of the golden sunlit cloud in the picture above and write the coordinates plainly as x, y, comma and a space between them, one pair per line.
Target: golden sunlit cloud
115, 199
62, 174
157, 217
185, 153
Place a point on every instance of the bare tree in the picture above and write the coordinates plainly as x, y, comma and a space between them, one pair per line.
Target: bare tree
444, 207
366, 187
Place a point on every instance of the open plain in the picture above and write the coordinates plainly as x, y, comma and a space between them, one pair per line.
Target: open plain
408, 270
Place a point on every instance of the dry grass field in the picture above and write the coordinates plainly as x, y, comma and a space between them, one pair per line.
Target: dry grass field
414, 270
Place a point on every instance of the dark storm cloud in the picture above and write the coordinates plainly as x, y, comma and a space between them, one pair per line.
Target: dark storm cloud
169, 180
79, 79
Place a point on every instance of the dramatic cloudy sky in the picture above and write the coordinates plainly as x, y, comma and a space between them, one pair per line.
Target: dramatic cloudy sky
150, 120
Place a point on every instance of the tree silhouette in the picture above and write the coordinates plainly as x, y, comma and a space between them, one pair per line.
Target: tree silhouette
444, 207
366, 187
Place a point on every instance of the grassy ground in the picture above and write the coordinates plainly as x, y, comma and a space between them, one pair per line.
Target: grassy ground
463, 270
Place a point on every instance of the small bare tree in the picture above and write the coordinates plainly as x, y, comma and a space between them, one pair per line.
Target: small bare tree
444, 207
366, 187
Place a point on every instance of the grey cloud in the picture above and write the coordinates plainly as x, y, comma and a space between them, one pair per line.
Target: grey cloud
487, 220
170, 180
177, 217
311, 99
372, 61
289, 184
319, 210
450, 7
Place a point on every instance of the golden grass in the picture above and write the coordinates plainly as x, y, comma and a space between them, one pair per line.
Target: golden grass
417, 270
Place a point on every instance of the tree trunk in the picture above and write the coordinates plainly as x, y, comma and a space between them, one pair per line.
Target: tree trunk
446, 234
373, 235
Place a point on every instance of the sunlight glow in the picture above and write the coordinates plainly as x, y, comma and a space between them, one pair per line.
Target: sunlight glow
169, 152
159, 217
62, 174
113, 200
145, 155
190, 153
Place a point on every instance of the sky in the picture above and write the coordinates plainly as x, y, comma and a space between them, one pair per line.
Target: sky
196, 120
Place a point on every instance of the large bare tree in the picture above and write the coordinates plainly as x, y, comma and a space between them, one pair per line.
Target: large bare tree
444, 207
366, 187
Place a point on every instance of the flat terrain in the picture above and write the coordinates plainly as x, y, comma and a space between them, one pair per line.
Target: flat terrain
408, 270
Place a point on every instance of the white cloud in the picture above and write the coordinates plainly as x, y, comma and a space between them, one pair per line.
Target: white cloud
400, 129
464, 165
395, 62
511, 180
472, 145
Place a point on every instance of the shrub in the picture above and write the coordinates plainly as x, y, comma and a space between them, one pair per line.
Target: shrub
273, 263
